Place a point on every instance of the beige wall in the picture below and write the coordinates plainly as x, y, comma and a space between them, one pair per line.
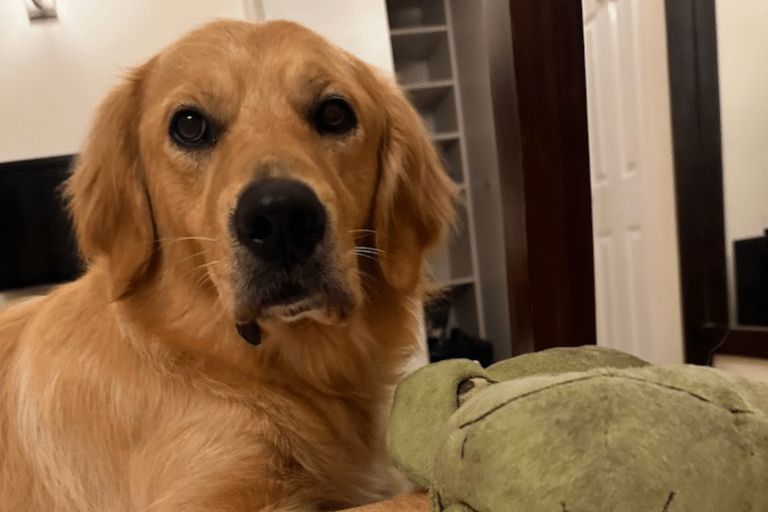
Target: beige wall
52, 75
660, 217
359, 26
742, 27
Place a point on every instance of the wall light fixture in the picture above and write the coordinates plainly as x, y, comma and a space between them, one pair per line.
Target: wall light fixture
41, 10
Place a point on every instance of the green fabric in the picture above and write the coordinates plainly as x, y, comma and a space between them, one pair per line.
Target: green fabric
583, 430
422, 413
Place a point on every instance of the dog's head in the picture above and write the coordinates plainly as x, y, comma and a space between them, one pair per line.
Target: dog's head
262, 164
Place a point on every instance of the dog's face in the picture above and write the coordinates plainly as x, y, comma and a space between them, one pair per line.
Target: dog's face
261, 157
277, 159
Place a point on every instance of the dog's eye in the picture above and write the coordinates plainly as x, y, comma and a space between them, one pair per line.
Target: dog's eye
191, 129
334, 116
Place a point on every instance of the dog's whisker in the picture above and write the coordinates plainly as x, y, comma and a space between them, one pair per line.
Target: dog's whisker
371, 253
362, 233
210, 263
204, 275
196, 255
368, 250
185, 238
196, 268
367, 256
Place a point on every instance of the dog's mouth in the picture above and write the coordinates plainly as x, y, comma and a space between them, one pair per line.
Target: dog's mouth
294, 311
271, 299
313, 307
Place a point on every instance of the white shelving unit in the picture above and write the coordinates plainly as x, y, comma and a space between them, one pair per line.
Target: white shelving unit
438, 57
425, 66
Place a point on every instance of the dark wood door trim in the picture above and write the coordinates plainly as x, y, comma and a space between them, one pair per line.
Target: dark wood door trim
540, 109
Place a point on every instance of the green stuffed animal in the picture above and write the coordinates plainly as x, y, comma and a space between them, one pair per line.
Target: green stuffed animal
582, 430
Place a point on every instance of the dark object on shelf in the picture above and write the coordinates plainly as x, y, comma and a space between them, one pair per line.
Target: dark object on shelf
460, 345
751, 260
37, 242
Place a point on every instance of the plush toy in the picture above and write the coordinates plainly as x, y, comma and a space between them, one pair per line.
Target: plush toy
582, 430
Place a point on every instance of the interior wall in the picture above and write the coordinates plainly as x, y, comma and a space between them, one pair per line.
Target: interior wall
359, 26
660, 217
55, 73
742, 33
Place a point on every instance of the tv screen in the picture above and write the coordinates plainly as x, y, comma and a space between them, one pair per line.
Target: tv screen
37, 243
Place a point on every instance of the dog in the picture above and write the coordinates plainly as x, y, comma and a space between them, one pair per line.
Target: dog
253, 206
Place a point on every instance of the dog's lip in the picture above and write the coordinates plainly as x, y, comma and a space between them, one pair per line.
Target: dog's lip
293, 311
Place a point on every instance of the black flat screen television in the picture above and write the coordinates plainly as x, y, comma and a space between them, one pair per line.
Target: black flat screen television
37, 243
751, 265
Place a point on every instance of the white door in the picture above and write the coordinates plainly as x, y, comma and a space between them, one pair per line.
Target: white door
637, 296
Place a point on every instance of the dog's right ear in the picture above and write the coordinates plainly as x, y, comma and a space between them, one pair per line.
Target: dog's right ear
107, 193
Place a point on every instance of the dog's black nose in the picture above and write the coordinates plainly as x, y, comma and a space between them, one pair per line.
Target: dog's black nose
279, 220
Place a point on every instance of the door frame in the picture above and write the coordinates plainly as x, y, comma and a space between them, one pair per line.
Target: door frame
538, 86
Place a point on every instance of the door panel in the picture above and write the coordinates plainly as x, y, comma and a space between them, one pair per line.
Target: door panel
617, 190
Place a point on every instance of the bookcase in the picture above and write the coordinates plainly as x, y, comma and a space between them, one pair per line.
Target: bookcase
440, 62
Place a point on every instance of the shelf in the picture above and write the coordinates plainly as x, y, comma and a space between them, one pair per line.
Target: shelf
450, 152
425, 87
452, 260
445, 137
437, 106
421, 55
459, 281
465, 313
415, 13
438, 64
412, 31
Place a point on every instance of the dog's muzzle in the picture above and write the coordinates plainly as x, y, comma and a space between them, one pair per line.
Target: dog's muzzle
281, 225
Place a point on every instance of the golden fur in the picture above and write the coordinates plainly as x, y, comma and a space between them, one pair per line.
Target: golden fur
130, 388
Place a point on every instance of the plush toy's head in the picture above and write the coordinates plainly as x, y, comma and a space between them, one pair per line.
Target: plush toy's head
582, 430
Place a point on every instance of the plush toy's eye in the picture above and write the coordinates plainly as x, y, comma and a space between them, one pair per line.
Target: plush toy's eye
469, 387
465, 386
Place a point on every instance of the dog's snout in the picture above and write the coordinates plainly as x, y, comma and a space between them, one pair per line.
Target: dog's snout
280, 221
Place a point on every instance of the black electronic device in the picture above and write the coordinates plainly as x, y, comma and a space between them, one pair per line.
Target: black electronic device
751, 262
37, 243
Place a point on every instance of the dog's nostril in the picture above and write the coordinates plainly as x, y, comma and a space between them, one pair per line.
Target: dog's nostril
300, 225
262, 228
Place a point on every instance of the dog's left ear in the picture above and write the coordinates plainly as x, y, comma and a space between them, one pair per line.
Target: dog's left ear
415, 197
107, 195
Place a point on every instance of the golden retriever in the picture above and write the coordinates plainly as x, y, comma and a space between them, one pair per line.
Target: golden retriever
253, 205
